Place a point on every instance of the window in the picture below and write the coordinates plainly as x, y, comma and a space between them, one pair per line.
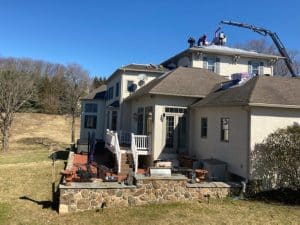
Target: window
175, 110
114, 117
170, 131
148, 120
90, 108
90, 122
110, 93
129, 85
255, 68
117, 89
225, 129
212, 64
140, 121
204, 127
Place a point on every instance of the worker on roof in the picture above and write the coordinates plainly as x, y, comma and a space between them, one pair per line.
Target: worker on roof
202, 40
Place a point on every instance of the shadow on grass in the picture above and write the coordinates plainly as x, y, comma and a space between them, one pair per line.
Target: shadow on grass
283, 196
44, 204
60, 155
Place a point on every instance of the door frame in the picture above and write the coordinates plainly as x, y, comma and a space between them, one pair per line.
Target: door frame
175, 149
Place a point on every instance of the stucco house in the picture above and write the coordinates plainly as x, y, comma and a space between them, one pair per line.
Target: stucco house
228, 123
162, 111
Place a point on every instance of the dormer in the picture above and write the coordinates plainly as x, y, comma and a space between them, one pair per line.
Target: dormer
223, 60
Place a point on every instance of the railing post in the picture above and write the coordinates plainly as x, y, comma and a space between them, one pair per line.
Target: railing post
149, 143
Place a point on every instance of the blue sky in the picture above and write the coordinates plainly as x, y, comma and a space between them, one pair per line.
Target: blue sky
103, 35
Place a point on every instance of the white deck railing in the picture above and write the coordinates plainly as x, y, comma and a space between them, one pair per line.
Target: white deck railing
135, 154
112, 143
142, 142
139, 145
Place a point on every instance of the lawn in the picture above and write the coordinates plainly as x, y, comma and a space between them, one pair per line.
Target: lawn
25, 190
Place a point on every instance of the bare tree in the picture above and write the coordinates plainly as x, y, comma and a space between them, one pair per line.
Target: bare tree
280, 67
77, 80
16, 88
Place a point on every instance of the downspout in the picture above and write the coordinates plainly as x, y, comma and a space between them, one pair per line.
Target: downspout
249, 143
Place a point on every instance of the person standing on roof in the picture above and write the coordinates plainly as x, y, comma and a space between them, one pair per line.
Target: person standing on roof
202, 40
221, 38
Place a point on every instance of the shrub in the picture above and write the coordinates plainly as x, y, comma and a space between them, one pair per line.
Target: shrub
276, 161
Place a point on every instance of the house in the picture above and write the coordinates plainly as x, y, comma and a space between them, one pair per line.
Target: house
159, 112
227, 124
92, 116
223, 60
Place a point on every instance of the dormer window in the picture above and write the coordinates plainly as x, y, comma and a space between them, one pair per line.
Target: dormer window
255, 68
212, 64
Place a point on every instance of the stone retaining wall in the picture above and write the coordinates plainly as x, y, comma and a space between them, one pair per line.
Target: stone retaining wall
88, 196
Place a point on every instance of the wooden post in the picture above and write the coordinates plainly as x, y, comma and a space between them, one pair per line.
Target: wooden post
53, 181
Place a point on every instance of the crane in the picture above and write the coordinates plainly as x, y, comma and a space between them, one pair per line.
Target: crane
275, 38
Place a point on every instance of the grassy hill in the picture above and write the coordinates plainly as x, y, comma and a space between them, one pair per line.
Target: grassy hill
34, 136
26, 177
37, 128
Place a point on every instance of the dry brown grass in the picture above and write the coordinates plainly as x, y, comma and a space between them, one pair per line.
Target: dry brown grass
37, 128
25, 191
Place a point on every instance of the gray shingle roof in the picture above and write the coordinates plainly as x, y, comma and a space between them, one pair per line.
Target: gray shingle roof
190, 82
144, 67
98, 93
260, 90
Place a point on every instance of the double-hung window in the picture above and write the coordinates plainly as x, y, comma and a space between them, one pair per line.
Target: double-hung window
117, 89
212, 64
90, 121
203, 127
225, 129
255, 68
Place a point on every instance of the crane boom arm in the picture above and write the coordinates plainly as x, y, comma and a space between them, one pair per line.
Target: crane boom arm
274, 37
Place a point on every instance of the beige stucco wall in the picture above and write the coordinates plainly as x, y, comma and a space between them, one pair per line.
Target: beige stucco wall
130, 75
234, 152
99, 131
266, 120
122, 78
159, 130
228, 66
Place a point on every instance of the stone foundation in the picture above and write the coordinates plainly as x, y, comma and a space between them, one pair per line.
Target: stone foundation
91, 196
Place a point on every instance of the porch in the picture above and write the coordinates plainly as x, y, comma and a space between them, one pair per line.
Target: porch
121, 143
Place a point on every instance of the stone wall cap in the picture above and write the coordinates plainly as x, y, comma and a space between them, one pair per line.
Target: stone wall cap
214, 185
89, 185
173, 177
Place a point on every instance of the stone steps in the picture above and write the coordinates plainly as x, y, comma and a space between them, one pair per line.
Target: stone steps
126, 164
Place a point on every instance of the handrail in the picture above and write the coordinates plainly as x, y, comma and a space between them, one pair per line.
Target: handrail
118, 152
134, 153
112, 143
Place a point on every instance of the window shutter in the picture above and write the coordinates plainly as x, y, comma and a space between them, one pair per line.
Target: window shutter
261, 68
217, 70
249, 67
204, 62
